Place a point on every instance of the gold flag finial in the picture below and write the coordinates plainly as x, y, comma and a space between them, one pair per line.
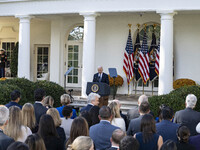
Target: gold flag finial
129, 25
145, 27
154, 26
138, 26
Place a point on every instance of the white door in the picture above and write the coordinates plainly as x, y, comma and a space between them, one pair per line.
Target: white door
74, 59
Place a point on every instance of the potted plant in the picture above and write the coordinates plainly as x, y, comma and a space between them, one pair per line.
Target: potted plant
114, 84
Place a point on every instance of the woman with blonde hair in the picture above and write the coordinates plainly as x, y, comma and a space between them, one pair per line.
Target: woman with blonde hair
53, 112
48, 102
14, 128
28, 117
82, 143
35, 142
116, 117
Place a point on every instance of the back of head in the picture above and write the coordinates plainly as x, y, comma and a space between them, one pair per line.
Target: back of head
64, 99
4, 115
53, 112
129, 143
191, 101
183, 134
28, 115
115, 111
67, 110
92, 97
117, 135
48, 101
15, 95
82, 143
169, 145
167, 113
144, 107
105, 113
39, 94
47, 126
142, 98
35, 142
18, 146
79, 128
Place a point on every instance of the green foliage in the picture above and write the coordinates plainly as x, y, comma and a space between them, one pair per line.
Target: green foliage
175, 99
52, 89
14, 62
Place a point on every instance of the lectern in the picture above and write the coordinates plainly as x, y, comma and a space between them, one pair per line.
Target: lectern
102, 89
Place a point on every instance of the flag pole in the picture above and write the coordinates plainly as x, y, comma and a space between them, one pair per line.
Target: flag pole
143, 86
135, 88
129, 25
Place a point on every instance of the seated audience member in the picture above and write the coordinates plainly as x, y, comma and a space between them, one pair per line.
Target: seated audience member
53, 112
129, 143
5, 140
194, 140
102, 132
67, 121
35, 142
65, 100
148, 138
47, 131
18, 146
169, 145
93, 100
15, 98
183, 134
134, 125
122, 115
48, 102
15, 128
117, 135
82, 143
94, 115
166, 128
79, 128
39, 96
134, 113
188, 117
28, 117
116, 117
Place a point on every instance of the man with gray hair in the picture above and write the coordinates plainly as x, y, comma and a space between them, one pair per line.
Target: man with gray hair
93, 100
5, 140
188, 117
134, 113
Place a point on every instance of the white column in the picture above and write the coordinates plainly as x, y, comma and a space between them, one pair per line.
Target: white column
88, 69
166, 53
24, 46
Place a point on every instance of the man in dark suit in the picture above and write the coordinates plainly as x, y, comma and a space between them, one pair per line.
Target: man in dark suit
93, 100
39, 95
101, 77
166, 128
102, 132
15, 98
5, 140
117, 135
188, 117
134, 125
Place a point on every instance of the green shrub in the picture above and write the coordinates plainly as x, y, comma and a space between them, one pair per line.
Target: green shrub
52, 89
175, 99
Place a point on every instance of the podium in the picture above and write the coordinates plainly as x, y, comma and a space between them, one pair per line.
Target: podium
102, 89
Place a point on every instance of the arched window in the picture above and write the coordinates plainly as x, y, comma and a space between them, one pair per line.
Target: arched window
76, 34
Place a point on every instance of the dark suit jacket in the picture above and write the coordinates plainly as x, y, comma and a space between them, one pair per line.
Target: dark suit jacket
189, 118
104, 78
94, 114
13, 104
5, 141
39, 111
167, 130
134, 126
194, 140
53, 143
184, 146
86, 108
112, 148
101, 134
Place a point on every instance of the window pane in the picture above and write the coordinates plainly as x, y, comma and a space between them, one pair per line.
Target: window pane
46, 50
76, 64
39, 67
8, 46
156, 82
45, 68
69, 79
39, 59
69, 63
45, 59
4, 46
12, 45
70, 56
70, 48
75, 48
75, 79
75, 56
39, 50
75, 72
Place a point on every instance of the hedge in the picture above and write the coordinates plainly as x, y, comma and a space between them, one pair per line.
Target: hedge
27, 88
175, 99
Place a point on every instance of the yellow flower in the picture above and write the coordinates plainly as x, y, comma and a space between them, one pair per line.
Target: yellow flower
183, 82
118, 81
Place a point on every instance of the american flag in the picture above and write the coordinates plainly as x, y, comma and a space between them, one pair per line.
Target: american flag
157, 59
128, 59
144, 60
